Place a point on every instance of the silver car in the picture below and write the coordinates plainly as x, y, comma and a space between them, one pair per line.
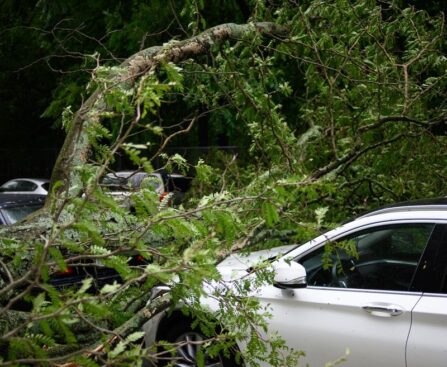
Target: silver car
26, 186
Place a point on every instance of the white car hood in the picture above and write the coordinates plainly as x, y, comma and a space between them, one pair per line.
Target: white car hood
237, 264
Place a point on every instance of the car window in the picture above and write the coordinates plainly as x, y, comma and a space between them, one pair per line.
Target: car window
19, 185
382, 258
137, 179
115, 183
431, 276
15, 214
46, 186
178, 183
151, 182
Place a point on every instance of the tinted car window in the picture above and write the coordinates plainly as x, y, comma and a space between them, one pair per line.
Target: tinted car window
432, 272
115, 183
19, 185
46, 186
383, 258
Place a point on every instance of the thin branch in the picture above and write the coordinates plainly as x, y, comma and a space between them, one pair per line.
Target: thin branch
172, 136
349, 158
383, 120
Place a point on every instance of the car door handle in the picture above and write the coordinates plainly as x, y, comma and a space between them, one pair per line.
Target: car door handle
383, 310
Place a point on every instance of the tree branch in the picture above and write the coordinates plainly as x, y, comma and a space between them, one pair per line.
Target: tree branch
76, 145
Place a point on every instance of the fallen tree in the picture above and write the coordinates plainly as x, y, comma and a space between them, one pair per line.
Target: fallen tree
60, 235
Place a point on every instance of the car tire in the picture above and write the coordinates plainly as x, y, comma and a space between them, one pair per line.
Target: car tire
189, 343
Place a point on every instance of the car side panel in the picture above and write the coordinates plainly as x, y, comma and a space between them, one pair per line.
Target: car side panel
427, 343
326, 322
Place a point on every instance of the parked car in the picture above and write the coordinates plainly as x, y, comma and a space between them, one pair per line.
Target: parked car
14, 207
26, 186
376, 286
123, 183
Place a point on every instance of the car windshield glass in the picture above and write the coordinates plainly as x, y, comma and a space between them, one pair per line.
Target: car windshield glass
115, 183
151, 182
15, 214
134, 182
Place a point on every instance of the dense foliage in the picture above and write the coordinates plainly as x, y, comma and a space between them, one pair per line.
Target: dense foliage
336, 109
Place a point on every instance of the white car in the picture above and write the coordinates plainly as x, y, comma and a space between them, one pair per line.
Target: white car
123, 183
376, 286
26, 186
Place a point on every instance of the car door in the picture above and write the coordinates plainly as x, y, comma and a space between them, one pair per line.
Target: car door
427, 342
358, 301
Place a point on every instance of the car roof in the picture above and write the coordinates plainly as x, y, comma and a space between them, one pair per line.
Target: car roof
126, 174
430, 204
133, 175
35, 180
10, 200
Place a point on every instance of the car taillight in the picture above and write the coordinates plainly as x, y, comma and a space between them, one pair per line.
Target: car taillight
67, 272
162, 196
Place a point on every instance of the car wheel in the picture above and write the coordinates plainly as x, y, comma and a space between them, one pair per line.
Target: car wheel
188, 343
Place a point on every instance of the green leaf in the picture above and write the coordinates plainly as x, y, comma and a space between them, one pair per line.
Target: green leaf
120, 348
134, 336
39, 302
57, 257
109, 288
320, 213
86, 284
269, 213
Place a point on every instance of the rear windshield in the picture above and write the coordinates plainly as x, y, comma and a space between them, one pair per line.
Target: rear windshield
13, 215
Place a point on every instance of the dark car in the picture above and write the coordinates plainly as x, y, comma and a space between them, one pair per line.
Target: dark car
14, 207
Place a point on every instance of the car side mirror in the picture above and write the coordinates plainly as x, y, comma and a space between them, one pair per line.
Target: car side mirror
289, 274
